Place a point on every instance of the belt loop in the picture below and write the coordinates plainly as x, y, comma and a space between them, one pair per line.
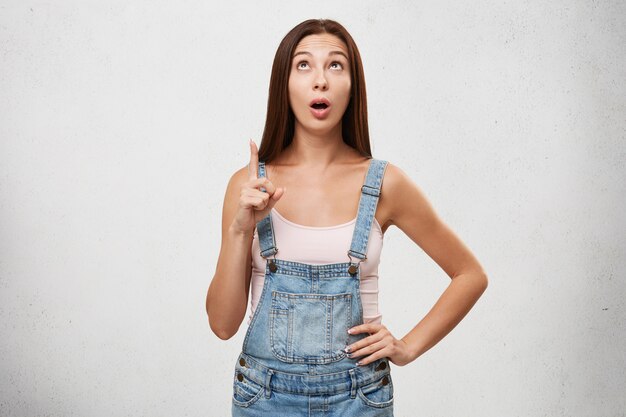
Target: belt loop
268, 387
353, 385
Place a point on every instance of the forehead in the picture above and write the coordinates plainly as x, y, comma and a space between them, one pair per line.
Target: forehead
321, 41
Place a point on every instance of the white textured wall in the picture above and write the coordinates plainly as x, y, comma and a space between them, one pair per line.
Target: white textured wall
121, 123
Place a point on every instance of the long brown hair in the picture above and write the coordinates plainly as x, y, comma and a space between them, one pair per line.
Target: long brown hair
279, 123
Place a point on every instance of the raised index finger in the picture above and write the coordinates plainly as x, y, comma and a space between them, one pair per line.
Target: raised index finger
253, 166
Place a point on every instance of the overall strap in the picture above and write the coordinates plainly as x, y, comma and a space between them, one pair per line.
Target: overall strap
264, 226
370, 191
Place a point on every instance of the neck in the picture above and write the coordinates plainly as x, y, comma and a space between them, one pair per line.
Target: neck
316, 149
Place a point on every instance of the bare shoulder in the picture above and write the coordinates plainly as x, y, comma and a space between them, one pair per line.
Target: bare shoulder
405, 201
394, 179
237, 179
239, 176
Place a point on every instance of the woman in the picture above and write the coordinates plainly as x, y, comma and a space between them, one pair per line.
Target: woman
299, 193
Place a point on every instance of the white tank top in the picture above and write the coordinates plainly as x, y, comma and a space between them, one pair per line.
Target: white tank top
318, 246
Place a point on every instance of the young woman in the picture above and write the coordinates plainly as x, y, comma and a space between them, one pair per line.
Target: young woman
303, 225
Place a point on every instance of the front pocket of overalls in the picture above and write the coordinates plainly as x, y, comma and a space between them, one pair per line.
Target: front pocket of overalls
245, 391
310, 328
377, 394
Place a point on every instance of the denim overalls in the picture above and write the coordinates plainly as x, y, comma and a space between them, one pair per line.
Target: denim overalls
292, 361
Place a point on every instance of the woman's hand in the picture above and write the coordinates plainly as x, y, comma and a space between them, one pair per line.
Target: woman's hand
255, 204
379, 344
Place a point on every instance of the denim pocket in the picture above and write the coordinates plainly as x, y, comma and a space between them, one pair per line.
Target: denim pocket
377, 394
245, 391
310, 328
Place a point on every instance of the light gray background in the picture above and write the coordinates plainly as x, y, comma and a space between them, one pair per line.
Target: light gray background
121, 123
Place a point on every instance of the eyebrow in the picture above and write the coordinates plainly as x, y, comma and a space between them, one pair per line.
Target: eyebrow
329, 54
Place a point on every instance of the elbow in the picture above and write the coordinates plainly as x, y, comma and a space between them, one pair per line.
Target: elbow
484, 281
479, 280
217, 329
222, 333
223, 325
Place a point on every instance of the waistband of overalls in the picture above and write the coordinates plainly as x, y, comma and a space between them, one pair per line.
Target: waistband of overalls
312, 384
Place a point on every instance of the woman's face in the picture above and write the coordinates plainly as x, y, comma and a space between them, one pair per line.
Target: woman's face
319, 70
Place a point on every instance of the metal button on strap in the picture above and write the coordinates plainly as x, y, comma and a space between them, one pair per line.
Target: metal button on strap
381, 366
240, 377
385, 380
352, 269
242, 362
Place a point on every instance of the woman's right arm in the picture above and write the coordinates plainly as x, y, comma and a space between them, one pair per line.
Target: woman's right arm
244, 205
227, 298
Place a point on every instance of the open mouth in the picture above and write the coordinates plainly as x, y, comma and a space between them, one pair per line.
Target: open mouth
319, 106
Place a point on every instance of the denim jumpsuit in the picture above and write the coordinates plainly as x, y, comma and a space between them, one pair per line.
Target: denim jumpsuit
292, 362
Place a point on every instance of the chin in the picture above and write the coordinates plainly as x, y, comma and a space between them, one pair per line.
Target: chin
320, 127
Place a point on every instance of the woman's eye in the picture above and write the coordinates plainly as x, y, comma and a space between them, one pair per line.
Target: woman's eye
306, 63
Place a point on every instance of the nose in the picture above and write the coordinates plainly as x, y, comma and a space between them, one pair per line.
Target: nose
320, 82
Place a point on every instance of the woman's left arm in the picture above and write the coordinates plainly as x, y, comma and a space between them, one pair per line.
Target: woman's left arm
412, 213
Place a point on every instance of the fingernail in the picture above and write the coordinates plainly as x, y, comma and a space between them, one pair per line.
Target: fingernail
350, 331
359, 363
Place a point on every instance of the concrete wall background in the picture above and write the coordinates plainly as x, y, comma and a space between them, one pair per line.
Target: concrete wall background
120, 124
